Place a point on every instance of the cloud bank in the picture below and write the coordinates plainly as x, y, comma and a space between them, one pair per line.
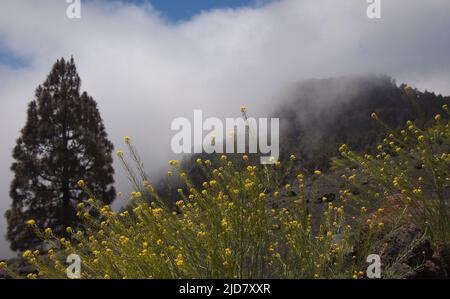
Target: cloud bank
144, 71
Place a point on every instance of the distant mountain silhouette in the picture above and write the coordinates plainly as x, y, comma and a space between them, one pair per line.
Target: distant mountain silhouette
321, 114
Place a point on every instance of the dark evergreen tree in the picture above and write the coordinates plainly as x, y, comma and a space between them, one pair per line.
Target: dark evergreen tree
63, 141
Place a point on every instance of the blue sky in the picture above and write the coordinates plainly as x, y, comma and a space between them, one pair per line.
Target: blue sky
179, 10
8, 58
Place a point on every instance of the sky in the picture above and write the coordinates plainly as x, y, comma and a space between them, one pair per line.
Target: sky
173, 11
147, 63
8, 59
178, 11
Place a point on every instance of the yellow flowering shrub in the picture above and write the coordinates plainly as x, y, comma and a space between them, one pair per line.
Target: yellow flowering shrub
409, 174
227, 228
236, 225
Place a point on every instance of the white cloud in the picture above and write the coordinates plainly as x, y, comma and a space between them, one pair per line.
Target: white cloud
145, 71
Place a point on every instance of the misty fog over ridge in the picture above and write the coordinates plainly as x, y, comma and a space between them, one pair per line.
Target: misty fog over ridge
144, 71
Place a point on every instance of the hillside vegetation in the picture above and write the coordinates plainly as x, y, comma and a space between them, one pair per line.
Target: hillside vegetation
234, 218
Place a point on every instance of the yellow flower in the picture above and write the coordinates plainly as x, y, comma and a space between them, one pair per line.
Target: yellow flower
119, 153
159, 242
173, 162
228, 251
437, 117
126, 139
123, 240
27, 253
223, 158
262, 195
363, 209
276, 194
157, 212
179, 261
343, 148
408, 89
317, 172
199, 161
81, 183
245, 157
31, 222
2, 265
201, 234
69, 230
224, 222
243, 108
374, 115
136, 195
48, 231
293, 158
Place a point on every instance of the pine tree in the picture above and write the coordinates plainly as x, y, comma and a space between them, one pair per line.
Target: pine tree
63, 140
